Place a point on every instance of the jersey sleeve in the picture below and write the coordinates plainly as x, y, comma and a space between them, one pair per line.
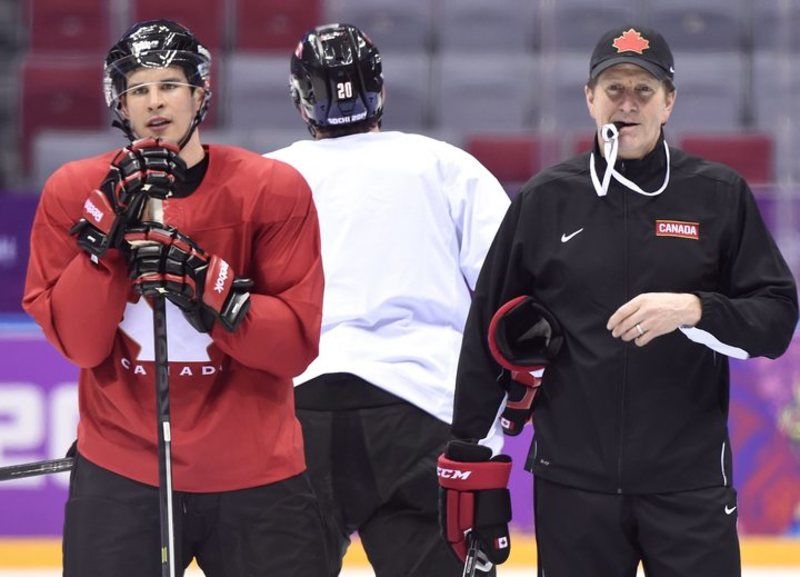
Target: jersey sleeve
754, 313
78, 303
479, 392
478, 203
280, 333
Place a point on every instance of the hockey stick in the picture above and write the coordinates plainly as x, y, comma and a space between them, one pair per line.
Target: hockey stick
154, 211
476, 559
164, 439
162, 414
36, 468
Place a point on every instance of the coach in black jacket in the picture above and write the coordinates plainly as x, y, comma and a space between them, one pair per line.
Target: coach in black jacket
658, 266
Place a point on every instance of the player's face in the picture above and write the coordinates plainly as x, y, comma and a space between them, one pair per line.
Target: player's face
629, 94
160, 103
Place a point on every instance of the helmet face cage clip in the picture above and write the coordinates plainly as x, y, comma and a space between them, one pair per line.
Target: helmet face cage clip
336, 77
156, 44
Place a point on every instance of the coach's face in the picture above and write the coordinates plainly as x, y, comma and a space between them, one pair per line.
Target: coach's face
630, 95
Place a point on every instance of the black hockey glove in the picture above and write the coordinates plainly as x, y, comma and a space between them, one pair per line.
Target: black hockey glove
162, 261
523, 338
474, 502
148, 168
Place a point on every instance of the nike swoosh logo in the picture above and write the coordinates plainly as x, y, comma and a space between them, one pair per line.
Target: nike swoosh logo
729, 510
566, 237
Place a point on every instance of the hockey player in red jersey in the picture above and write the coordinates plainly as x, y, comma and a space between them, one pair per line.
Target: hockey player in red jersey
243, 503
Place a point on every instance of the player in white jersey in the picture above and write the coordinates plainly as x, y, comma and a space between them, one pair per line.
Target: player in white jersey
406, 222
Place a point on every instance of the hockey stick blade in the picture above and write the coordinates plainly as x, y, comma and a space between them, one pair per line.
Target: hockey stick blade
36, 468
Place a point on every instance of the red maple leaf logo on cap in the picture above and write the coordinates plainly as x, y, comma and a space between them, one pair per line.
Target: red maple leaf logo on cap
631, 41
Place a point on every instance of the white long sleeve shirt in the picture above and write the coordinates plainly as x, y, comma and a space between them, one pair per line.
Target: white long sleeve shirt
406, 222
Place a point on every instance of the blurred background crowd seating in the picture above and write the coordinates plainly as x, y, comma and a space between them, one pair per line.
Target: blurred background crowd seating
502, 78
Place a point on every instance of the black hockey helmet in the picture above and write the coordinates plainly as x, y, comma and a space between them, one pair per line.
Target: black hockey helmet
156, 44
336, 77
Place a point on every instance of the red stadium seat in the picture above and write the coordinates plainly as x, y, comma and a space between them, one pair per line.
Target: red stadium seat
512, 158
74, 26
274, 24
583, 143
205, 19
60, 93
751, 155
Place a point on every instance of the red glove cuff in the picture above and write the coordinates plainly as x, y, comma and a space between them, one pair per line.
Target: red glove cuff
97, 210
472, 476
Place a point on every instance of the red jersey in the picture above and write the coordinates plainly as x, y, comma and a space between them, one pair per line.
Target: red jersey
231, 394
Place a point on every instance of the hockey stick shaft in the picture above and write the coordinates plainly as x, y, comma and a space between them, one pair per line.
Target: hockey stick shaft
36, 468
164, 438
154, 210
470, 563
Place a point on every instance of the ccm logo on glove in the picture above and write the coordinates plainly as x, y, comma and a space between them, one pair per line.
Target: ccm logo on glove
454, 474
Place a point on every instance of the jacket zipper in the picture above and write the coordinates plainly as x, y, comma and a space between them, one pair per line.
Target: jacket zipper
623, 385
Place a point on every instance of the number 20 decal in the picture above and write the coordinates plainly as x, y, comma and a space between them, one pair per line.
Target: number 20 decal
344, 89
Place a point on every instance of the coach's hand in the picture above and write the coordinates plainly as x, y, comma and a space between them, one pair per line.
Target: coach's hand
650, 315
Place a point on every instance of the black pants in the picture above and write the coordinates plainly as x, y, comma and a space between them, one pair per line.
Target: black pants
112, 529
686, 534
374, 471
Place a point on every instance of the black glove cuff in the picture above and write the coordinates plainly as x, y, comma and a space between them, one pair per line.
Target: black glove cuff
492, 507
236, 307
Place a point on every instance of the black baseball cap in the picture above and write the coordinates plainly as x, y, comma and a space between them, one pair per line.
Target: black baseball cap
631, 44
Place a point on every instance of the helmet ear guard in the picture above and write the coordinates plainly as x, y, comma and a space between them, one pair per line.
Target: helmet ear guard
524, 336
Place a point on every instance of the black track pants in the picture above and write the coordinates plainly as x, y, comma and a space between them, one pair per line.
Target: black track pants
686, 534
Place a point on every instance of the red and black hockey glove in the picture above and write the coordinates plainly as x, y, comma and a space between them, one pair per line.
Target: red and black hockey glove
162, 261
148, 168
523, 338
474, 502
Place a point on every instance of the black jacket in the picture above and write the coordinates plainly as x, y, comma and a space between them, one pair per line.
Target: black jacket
613, 417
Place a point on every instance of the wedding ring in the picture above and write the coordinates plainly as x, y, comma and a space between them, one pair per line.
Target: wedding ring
638, 328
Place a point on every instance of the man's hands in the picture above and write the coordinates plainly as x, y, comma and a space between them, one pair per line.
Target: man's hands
148, 168
162, 261
651, 315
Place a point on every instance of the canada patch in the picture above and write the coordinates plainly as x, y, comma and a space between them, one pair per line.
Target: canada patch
678, 228
631, 41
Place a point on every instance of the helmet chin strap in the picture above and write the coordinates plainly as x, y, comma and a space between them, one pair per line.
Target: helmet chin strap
609, 133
